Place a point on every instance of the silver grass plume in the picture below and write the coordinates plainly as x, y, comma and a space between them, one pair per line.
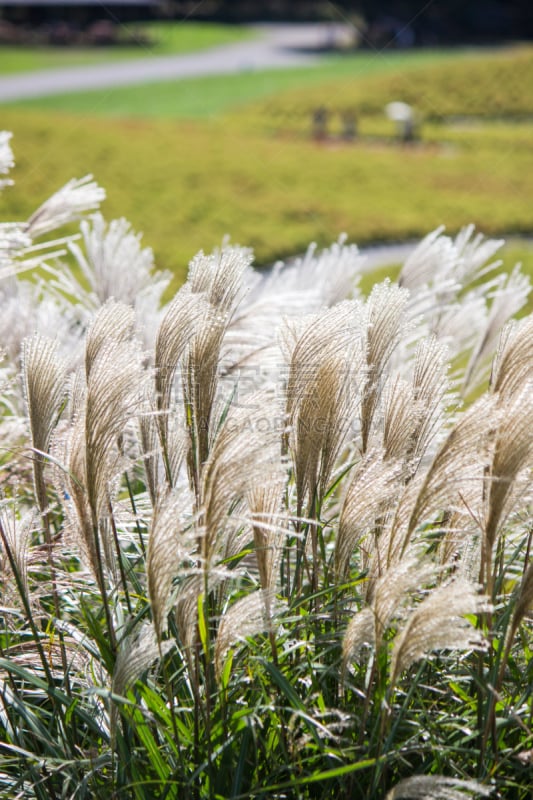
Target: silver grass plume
220, 275
321, 395
113, 397
114, 262
384, 323
16, 530
7, 160
436, 787
14, 243
474, 251
219, 278
114, 322
70, 202
414, 410
136, 653
172, 543
394, 542
326, 277
439, 623
43, 376
244, 451
390, 594
510, 296
512, 453
182, 320
372, 487
265, 502
149, 444
513, 364
245, 618
433, 256
76, 503
459, 461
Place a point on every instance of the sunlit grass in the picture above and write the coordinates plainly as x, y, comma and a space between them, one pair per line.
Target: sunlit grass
208, 96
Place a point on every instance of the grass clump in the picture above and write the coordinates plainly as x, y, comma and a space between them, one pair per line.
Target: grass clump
252, 544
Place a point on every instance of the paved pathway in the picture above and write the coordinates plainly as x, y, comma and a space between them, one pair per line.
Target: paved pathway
275, 46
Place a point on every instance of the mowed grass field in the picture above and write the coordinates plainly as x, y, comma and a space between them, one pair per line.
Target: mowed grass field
134, 40
190, 162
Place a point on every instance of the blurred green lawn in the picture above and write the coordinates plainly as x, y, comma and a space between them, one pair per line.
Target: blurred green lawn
196, 98
163, 38
239, 158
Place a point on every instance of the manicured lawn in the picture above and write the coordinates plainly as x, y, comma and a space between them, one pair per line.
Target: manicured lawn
164, 38
192, 183
204, 97
254, 172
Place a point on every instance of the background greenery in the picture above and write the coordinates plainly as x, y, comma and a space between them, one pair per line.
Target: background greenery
134, 40
192, 161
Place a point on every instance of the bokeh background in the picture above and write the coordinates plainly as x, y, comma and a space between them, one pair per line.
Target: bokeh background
275, 154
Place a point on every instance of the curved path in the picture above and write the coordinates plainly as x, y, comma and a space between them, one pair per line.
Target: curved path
274, 46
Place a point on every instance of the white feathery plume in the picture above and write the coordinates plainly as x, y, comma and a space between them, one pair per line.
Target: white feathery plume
265, 502
17, 530
512, 453
7, 160
436, 787
114, 264
149, 445
324, 278
285, 291
114, 322
413, 409
114, 393
434, 255
246, 448
361, 631
27, 308
69, 449
513, 364
14, 243
372, 487
245, 618
43, 377
182, 320
460, 460
172, 543
136, 653
395, 541
219, 277
394, 587
439, 623
387, 601
474, 251
510, 296
68, 204
321, 393
383, 325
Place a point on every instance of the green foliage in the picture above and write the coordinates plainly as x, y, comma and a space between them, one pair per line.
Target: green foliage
255, 171
186, 186
194, 98
480, 84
